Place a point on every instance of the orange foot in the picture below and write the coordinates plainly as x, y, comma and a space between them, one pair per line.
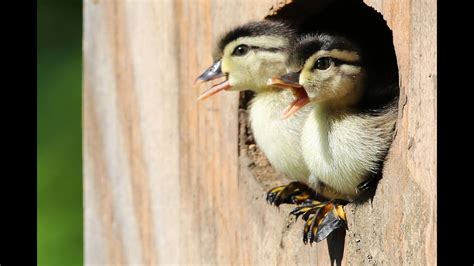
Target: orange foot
322, 218
293, 193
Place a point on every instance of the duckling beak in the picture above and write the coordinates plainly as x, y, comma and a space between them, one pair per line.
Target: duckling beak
212, 73
290, 81
286, 81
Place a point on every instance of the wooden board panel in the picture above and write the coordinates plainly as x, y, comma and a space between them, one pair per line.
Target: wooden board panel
161, 171
165, 179
399, 225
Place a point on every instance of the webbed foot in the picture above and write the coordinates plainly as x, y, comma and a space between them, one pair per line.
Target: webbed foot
321, 218
293, 193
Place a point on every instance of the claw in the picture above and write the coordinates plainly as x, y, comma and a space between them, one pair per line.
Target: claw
273, 193
321, 219
329, 224
293, 193
307, 209
341, 214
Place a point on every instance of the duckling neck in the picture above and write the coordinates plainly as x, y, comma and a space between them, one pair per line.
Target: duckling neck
266, 90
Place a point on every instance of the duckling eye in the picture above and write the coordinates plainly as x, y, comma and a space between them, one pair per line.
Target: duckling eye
241, 50
323, 63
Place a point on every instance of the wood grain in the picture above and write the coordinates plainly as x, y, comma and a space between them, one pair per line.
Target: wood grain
168, 179
399, 225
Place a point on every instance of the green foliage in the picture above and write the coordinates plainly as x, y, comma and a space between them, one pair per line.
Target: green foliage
59, 132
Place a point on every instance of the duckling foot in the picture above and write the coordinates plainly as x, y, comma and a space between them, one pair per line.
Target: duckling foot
293, 193
321, 219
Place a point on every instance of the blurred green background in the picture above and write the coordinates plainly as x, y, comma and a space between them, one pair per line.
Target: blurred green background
59, 29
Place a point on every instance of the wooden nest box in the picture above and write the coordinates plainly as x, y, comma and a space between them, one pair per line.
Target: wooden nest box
171, 180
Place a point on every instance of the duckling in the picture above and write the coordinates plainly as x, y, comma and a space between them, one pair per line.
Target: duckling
247, 56
347, 134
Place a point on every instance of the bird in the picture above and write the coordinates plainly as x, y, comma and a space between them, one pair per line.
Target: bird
346, 136
247, 56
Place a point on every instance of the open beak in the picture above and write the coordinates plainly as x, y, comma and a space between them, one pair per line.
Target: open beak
290, 81
212, 73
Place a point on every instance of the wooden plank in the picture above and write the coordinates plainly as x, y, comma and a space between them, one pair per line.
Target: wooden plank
399, 225
124, 95
166, 178
161, 171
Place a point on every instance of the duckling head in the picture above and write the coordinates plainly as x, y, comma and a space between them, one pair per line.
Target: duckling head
332, 71
247, 56
341, 70
330, 68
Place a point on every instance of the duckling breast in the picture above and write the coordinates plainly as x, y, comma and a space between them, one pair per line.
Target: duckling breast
343, 152
278, 138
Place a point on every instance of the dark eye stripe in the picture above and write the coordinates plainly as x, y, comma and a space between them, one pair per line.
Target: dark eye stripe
338, 62
272, 49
